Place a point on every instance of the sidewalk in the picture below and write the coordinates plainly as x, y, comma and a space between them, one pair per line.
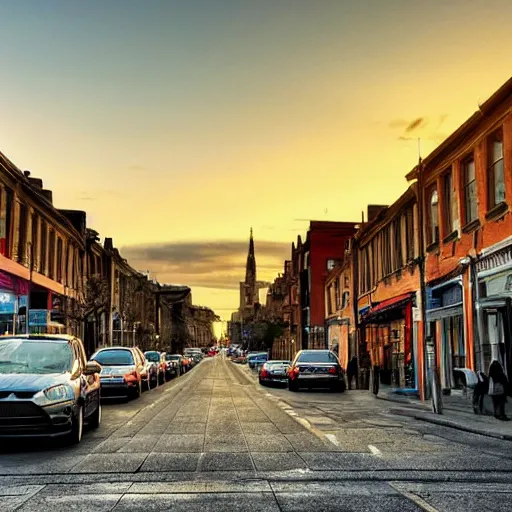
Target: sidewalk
457, 413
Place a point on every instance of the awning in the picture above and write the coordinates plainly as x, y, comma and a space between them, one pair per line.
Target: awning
393, 303
446, 312
13, 284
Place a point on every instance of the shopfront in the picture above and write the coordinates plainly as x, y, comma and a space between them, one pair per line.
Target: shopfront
445, 327
387, 331
338, 336
494, 308
13, 300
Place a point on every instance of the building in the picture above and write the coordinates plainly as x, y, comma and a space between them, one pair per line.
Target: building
201, 326
322, 250
340, 321
466, 191
388, 294
41, 256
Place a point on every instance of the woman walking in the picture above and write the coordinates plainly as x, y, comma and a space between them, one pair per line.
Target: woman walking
498, 385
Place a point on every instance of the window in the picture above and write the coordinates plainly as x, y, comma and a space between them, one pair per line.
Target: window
331, 264
22, 232
59, 260
470, 198
397, 244
337, 293
32, 254
447, 204
6, 234
433, 217
43, 247
409, 234
51, 254
495, 170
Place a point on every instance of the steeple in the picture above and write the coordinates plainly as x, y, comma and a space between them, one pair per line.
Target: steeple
250, 275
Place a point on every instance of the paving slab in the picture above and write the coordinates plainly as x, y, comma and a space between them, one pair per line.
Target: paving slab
65, 502
226, 462
277, 461
110, 463
180, 443
162, 462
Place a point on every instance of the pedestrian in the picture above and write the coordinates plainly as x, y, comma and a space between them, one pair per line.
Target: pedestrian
481, 389
352, 371
498, 385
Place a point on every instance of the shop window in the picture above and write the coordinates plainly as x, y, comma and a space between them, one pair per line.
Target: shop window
469, 190
433, 231
447, 204
495, 169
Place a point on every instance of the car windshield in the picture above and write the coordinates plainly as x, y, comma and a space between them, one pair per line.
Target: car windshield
34, 357
154, 357
317, 357
278, 363
172, 358
114, 358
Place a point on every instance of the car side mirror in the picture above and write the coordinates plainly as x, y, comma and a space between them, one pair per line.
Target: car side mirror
92, 367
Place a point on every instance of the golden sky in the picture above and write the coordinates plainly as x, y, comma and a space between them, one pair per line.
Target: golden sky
180, 126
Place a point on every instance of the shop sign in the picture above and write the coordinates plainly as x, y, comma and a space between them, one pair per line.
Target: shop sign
416, 314
499, 285
38, 317
7, 303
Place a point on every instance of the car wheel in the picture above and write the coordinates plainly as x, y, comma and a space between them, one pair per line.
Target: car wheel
137, 391
95, 420
293, 386
262, 382
162, 378
77, 426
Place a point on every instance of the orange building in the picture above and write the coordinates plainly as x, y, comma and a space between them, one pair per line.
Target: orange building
339, 309
388, 294
466, 191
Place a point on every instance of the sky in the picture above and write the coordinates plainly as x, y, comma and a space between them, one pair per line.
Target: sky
179, 125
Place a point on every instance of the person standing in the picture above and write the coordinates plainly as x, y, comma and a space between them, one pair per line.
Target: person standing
498, 385
352, 371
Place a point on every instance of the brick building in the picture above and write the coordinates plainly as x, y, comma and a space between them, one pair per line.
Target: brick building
466, 187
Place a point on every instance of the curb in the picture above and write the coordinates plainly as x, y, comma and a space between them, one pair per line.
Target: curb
451, 424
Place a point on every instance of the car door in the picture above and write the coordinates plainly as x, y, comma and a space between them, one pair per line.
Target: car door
89, 388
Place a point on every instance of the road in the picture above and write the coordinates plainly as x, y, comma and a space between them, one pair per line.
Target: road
215, 440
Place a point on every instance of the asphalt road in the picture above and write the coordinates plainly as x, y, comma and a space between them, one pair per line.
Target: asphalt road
215, 440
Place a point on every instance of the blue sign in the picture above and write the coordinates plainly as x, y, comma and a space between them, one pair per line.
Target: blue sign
38, 317
7, 303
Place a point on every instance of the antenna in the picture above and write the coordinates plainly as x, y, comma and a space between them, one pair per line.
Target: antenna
419, 149
362, 216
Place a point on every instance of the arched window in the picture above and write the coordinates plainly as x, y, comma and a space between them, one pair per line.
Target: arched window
434, 217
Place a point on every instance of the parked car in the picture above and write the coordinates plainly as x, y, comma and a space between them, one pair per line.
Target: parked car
47, 387
181, 362
274, 371
256, 360
122, 371
157, 359
149, 371
316, 368
173, 365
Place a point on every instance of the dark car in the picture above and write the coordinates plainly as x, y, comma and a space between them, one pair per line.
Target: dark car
256, 360
316, 368
274, 371
47, 387
180, 360
121, 374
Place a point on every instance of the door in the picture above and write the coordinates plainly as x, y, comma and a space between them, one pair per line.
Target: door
497, 345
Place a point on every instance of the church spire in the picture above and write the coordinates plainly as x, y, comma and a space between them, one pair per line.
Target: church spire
250, 274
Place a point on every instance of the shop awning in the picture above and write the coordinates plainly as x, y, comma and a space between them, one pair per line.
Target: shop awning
392, 303
13, 284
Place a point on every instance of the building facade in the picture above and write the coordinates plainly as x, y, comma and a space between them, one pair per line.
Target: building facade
467, 191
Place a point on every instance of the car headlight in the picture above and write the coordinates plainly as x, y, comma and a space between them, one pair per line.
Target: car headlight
59, 393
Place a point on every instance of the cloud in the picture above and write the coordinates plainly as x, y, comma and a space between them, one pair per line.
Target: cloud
219, 264
423, 128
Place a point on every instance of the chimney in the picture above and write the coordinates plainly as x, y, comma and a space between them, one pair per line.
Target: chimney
373, 210
36, 182
108, 245
48, 194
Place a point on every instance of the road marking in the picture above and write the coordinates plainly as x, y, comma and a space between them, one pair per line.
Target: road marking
333, 439
375, 451
426, 507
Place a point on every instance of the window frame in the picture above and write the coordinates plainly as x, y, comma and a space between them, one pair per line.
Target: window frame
492, 166
447, 206
466, 184
433, 229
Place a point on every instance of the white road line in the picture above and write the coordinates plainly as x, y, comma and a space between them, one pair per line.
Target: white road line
375, 451
426, 507
333, 439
